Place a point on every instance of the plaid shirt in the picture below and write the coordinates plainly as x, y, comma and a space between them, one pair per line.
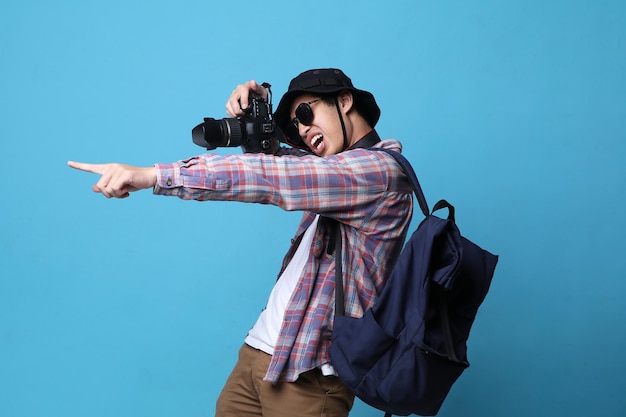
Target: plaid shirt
365, 191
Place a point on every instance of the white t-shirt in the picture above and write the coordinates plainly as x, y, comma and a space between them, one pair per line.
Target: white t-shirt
264, 333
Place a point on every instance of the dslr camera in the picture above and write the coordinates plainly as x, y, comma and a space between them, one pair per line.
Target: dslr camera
255, 131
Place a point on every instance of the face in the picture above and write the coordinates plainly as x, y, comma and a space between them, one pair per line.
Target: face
323, 135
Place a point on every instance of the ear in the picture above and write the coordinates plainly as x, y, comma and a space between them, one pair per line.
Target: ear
346, 101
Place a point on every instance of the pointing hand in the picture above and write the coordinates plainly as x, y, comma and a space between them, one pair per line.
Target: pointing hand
118, 180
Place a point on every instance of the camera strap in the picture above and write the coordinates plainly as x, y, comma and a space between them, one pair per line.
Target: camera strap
366, 141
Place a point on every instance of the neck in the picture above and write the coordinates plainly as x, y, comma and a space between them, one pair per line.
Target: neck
359, 131
359, 128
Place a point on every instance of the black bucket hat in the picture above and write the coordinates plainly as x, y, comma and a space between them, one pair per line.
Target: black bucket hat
324, 81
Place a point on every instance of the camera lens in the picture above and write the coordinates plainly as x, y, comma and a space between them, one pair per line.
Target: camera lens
217, 133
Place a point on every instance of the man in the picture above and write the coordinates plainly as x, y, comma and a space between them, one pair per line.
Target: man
284, 369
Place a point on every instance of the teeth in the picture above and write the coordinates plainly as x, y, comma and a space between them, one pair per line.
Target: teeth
317, 140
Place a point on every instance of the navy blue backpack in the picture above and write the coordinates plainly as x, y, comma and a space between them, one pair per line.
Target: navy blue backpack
406, 352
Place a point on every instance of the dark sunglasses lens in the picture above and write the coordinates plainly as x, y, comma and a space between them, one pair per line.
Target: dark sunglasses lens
304, 114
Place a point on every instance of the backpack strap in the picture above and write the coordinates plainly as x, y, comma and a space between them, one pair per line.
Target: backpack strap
340, 302
336, 245
408, 170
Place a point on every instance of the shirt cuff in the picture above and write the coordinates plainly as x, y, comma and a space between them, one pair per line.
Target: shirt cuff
168, 177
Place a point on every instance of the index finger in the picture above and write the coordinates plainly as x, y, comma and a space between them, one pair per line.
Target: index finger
93, 168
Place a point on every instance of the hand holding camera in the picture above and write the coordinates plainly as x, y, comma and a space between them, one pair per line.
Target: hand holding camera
254, 130
239, 99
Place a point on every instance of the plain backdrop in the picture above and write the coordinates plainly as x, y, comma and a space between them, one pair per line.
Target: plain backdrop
514, 111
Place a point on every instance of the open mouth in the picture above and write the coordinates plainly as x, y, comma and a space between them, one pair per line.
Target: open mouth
317, 140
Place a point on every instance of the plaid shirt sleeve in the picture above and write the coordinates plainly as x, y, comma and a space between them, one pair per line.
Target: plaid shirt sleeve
365, 191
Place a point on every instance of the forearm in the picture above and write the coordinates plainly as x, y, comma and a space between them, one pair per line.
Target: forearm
334, 185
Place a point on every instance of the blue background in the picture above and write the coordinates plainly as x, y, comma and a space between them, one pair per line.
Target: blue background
513, 110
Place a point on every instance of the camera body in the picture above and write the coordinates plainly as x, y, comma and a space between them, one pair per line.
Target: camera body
255, 131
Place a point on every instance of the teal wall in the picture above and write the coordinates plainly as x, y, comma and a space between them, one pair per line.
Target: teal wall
514, 111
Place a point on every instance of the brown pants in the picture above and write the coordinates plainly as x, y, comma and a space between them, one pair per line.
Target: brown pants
312, 395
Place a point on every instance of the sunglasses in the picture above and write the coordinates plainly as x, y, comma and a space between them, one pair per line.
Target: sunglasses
304, 116
304, 113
